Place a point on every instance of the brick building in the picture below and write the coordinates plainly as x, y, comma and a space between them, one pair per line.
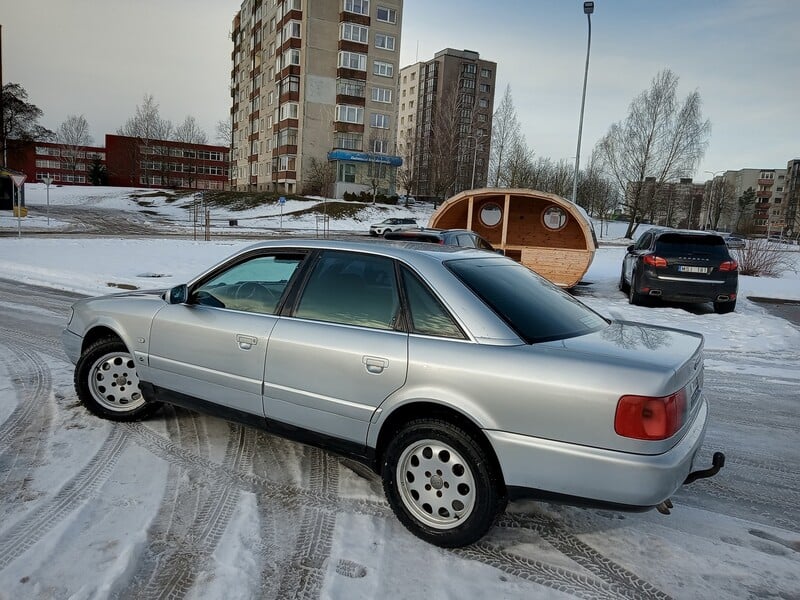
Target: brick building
125, 161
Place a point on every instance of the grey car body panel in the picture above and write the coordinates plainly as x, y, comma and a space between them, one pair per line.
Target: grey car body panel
547, 409
342, 373
229, 351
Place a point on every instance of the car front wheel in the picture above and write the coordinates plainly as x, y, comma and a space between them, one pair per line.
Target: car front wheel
107, 383
440, 483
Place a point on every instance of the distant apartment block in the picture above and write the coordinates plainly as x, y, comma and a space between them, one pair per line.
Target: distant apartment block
791, 197
126, 161
767, 213
673, 203
445, 122
314, 90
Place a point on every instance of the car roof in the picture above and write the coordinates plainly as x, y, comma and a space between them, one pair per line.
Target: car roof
695, 232
406, 251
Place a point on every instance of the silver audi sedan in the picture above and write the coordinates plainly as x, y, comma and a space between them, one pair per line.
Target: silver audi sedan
461, 377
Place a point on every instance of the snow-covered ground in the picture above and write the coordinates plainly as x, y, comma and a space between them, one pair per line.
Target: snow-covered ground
193, 506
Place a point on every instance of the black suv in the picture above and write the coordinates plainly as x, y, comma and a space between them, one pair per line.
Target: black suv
465, 238
682, 266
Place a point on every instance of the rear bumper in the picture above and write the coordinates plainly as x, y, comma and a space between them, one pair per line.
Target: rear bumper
536, 467
678, 289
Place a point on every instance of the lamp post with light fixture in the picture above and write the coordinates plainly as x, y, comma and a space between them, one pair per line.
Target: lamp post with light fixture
588, 9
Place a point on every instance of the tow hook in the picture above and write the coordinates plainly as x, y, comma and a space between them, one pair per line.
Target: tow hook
717, 462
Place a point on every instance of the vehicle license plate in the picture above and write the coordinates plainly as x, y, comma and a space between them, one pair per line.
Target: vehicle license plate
686, 269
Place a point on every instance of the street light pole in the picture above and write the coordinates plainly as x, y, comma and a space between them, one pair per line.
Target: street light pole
474, 156
588, 9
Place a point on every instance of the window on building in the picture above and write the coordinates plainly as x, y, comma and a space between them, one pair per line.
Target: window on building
387, 15
346, 172
286, 162
486, 72
351, 87
380, 146
486, 88
354, 33
360, 7
353, 60
470, 68
483, 103
349, 141
346, 113
291, 30
289, 110
289, 84
379, 121
384, 69
384, 41
381, 94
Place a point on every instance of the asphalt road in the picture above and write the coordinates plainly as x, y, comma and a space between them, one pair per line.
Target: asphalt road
750, 510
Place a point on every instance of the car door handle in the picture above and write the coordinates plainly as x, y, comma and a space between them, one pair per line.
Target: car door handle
374, 364
246, 342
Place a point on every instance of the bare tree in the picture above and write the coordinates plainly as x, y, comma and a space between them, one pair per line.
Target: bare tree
518, 171
721, 200
224, 132
505, 134
406, 173
190, 132
445, 143
659, 138
147, 126
377, 167
320, 178
73, 137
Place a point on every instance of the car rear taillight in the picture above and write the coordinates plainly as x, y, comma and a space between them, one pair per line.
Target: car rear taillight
729, 265
655, 261
649, 418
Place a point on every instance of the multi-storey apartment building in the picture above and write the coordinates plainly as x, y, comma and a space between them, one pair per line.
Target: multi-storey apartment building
766, 215
445, 122
791, 196
314, 88
125, 161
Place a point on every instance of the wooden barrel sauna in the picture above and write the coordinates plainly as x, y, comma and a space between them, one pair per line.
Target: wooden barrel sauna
544, 232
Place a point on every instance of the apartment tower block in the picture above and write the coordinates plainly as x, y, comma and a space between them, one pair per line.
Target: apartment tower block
445, 123
314, 89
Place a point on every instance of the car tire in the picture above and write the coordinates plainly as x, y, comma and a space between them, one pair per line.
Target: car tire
723, 308
623, 287
440, 483
634, 297
107, 383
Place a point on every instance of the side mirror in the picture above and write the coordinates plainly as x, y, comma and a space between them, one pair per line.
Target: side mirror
629, 248
178, 295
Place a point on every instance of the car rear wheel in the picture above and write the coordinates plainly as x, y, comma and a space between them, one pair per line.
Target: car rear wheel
634, 297
108, 385
440, 483
723, 308
623, 286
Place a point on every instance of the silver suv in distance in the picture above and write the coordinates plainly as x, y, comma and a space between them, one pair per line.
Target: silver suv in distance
461, 377
393, 224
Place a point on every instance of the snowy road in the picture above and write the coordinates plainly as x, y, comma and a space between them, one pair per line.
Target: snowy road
186, 505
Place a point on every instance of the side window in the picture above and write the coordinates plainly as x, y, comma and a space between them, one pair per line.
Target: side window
351, 289
644, 242
428, 316
255, 285
465, 240
483, 245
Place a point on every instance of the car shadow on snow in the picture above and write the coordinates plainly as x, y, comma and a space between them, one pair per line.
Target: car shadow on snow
584, 289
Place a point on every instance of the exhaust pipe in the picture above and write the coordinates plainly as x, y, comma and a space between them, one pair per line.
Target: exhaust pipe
723, 298
664, 507
655, 292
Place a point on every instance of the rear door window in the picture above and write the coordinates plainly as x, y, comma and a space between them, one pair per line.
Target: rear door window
351, 289
427, 315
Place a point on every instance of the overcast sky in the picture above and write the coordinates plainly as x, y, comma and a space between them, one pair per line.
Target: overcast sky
99, 57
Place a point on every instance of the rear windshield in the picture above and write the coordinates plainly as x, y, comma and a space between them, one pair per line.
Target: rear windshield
536, 309
676, 244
